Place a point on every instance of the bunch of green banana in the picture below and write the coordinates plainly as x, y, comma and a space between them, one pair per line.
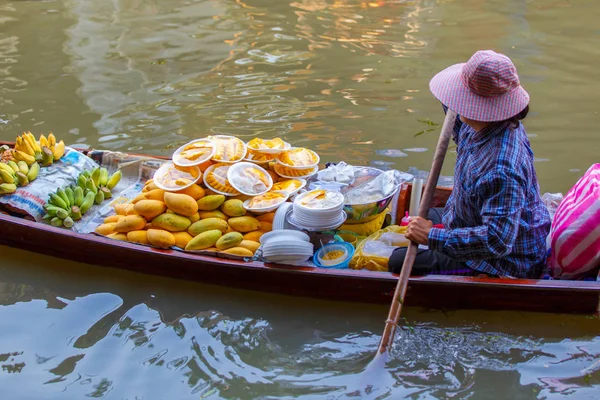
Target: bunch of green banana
13, 174
69, 204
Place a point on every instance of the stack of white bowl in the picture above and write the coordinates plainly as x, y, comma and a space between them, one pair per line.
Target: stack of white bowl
327, 215
286, 246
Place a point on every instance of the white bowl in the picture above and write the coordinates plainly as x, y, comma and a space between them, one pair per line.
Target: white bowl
286, 146
278, 170
335, 196
315, 164
291, 234
287, 259
170, 167
273, 207
236, 168
183, 162
214, 138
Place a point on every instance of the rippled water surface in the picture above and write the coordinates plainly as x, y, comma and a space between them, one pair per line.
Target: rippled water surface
347, 78
71, 331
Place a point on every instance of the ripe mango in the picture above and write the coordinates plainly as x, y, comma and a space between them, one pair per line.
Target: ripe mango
254, 235
141, 196
138, 237
250, 245
266, 226
212, 249
194, 218
213, 214
210, 202
161, 238
156, 194
181, 204
204, 240
233, 208
171, 222
123, 208
150, 185
130, 223
118, 236
182, 239
195, 191
244, 224
105, 229
238, 251
268, 217
206, 225
149, 208
111, 218
229, 240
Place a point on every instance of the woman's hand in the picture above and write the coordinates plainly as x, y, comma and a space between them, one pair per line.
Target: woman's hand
418, 230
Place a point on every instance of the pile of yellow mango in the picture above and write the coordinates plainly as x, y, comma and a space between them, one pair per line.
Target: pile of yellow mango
191, 219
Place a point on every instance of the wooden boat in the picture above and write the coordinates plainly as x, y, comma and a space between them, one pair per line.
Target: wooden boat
434, 292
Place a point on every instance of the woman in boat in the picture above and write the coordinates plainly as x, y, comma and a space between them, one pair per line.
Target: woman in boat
494, 222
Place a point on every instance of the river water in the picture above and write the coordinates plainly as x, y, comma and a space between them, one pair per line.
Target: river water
346, 78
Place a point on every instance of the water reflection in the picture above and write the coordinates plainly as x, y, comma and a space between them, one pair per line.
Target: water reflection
95, 332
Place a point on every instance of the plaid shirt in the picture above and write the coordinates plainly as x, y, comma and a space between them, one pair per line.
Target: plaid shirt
494, 220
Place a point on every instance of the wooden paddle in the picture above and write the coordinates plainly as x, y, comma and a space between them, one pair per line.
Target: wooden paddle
387, 338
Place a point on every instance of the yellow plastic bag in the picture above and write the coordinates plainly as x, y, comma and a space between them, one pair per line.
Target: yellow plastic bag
366, 228
374, 252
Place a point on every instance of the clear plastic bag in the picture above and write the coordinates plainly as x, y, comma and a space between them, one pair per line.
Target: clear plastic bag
374, 252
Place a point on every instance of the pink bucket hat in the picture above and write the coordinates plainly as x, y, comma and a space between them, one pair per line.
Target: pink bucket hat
485, 89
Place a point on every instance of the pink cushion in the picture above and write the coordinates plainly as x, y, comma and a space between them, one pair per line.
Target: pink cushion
575, 233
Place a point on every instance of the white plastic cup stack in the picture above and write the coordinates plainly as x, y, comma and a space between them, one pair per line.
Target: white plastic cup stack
319, 214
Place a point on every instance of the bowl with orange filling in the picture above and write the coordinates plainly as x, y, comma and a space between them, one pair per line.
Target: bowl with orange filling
172, 177
267, 202
228, 149
298, 158
268, 146
249, 179
194, 153
290, 186
292, 173
215, 179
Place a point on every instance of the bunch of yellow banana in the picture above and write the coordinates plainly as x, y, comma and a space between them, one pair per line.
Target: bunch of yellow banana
46, 151
14, 174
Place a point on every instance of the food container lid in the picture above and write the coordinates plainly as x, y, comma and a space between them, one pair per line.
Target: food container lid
215, 178
292, 173
265, 202
249, 179
298, 158
228, 149
194, 153
172, 178
268, 146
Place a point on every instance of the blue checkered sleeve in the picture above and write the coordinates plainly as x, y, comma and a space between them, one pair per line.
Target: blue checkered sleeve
504, 199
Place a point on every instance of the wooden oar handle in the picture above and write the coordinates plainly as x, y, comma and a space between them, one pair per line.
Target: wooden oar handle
396, 307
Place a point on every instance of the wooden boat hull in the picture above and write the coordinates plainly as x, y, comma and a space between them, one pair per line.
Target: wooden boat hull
436, 292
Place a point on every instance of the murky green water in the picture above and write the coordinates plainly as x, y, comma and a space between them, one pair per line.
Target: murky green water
347, 78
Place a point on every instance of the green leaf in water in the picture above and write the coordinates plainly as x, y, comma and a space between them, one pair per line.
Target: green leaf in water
209, 393
423, 131
428, 121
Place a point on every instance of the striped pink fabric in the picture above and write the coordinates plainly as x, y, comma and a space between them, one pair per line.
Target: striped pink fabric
575, 233
486, 88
